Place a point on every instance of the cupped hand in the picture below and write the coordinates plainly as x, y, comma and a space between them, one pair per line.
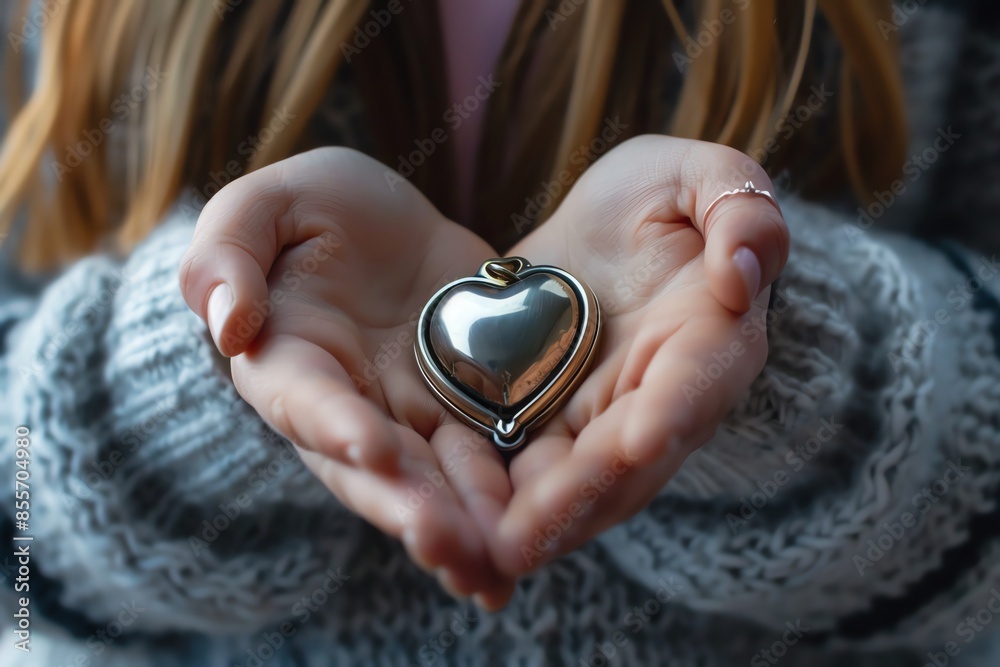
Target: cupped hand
311, 274
326, 264
683, 299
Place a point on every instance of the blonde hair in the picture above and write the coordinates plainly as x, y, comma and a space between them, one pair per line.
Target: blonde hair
225, 66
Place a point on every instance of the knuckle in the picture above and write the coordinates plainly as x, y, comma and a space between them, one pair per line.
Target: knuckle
242, 379
185, 274
277, 416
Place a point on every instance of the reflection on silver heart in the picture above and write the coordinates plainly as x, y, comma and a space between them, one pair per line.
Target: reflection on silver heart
503, 343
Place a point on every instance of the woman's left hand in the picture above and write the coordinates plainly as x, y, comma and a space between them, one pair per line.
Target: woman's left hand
683, 300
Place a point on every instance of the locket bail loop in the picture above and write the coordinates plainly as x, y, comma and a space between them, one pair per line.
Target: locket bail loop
504, 270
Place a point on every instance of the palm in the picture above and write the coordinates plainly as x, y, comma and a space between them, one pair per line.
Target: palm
350, 261
333, 366
645, 404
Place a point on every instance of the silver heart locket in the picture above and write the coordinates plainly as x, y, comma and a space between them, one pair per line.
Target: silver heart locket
505, 348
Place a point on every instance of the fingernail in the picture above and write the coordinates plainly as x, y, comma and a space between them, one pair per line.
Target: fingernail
220, 304
446, 578
749, 267
409, 538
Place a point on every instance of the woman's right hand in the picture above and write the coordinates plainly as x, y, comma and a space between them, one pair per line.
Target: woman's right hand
311, 274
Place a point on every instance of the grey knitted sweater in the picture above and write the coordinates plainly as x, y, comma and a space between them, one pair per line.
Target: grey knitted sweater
845, 513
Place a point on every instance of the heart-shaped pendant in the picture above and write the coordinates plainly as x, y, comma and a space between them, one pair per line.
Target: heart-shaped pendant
505, 348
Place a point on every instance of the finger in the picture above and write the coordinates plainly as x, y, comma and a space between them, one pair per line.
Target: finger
545, 451
559, 509
421, 507
224, 272
304, 393
468, 460
244, 227
598, 485
746, 238
651, 179
468, 464
437, 527
536, 504
554, 441
474, 469
437, 534
673, 402
746, 244
478, 475
532, 472
623, 458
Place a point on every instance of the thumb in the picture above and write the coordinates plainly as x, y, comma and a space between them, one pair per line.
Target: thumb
248, 223
657, 178
223, 275
729, 198
746, 238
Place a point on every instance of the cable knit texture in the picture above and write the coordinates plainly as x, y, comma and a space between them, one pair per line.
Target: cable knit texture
844, 513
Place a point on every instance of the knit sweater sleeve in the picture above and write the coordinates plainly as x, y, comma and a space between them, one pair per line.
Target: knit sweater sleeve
854, 488
151, 482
